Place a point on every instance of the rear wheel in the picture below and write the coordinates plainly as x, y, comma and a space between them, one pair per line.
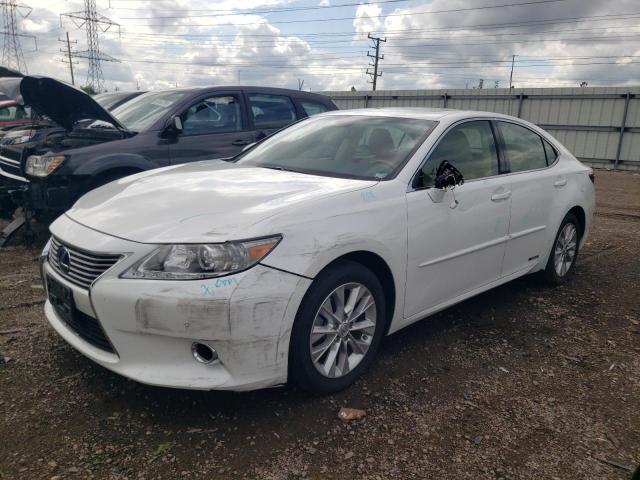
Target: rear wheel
564, 252
338, 328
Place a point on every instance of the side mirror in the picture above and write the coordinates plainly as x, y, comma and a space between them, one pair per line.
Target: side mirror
176, 124
447, 176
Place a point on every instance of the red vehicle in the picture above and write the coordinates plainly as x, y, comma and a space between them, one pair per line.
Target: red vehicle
12, 115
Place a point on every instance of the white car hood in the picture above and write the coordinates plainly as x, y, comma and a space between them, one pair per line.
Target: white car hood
211, 201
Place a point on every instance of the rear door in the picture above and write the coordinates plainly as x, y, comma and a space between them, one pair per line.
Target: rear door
270, 112
533, 188
213, 127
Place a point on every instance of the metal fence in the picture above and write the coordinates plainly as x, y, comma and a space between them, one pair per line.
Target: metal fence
600, 125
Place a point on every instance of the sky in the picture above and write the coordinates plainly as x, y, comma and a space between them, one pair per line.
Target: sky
162, 44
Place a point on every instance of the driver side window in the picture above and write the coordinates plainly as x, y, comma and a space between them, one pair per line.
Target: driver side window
470, 147
212, 115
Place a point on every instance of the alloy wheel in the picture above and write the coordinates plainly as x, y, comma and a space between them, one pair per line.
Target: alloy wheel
343, 330
565, 249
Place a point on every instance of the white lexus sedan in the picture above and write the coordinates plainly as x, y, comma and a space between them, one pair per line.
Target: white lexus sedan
291, 262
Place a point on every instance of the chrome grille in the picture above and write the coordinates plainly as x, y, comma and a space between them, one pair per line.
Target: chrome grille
11, 167
81, 267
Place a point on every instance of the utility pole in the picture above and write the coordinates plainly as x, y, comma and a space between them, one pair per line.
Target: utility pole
93, 23
513, 61
376, 58
69, 54
300, 84
12, 55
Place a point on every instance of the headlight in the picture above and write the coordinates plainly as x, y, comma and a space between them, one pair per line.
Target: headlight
43, 165
18, 140
190, 262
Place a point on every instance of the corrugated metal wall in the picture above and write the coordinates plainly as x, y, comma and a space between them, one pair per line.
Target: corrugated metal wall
600, 125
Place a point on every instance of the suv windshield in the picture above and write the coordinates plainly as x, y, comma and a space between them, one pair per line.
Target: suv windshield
365, 147
142, 112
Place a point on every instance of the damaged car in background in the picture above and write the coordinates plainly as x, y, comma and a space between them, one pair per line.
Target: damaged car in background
291, 262
152, 130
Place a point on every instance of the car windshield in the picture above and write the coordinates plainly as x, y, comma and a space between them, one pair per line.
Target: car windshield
348, 146
108, 100
142, 112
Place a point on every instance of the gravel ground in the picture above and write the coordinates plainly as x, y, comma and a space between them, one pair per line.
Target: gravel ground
524, 381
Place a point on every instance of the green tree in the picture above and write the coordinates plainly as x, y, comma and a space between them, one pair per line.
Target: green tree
88, 89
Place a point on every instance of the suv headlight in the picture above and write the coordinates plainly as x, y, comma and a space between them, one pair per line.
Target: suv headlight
191, 261
43, 165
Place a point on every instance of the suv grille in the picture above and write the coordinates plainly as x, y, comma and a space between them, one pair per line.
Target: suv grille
79, 266
10, 163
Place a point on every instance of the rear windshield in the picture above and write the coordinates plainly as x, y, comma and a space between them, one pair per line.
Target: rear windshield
142, 112
348, 146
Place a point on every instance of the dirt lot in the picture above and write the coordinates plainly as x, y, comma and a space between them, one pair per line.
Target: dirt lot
524, 381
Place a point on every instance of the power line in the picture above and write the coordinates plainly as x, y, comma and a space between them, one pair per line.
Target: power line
92, 21
315, 20
255, 11
289, 9
457, 27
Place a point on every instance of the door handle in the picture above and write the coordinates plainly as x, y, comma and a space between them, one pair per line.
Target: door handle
560, 182
496, 197
240, 142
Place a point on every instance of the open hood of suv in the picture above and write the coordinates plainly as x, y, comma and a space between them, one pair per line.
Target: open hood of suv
57, 100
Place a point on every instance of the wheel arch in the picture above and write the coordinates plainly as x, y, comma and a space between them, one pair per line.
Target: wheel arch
114, 173
381, 270
581, 215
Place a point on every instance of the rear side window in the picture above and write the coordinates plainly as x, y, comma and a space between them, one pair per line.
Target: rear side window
312, 108
550, 151
524, 149
213, 115
271, 111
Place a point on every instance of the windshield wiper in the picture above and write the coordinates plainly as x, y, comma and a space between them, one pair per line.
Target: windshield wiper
282, 169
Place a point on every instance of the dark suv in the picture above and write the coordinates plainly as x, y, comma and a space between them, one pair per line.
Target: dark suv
153, 130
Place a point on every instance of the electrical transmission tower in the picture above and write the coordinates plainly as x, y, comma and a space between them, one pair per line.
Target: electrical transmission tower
376, 58
12, 56
94, 23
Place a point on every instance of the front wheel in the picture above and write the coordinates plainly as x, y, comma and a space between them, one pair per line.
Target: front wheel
564, 252
338, 328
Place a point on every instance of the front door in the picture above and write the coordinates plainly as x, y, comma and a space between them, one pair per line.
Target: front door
456, 248
212, 128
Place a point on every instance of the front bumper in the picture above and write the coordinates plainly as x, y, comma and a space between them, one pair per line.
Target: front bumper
246, 318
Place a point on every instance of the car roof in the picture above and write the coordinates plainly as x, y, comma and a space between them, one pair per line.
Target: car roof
275, 90
434, 114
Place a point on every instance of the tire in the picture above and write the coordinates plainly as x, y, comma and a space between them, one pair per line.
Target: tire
352, 355
558, 273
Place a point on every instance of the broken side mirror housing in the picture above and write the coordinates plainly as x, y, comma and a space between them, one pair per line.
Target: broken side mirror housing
447, 176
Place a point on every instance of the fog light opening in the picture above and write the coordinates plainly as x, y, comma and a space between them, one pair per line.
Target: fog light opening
203, 353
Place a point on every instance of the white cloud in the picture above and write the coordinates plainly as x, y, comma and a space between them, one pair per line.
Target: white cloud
422, 51
366, 20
